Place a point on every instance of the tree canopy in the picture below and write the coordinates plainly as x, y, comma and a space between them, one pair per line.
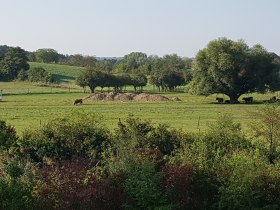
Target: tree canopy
14, 61
46, 56
232, 68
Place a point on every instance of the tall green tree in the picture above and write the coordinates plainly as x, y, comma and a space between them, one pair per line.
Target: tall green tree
232, 68
46, 56
12, 63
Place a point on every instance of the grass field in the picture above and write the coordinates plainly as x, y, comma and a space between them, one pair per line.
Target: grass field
28, 105
61, 73
193, 113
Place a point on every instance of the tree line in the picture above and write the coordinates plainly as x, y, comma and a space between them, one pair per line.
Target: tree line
223, 66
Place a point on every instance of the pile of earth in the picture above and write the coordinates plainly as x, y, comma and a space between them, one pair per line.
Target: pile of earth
127, 97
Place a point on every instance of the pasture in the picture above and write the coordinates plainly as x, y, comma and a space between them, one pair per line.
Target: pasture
28, 105
25, 105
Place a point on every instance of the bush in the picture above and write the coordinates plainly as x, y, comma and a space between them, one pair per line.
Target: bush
249, 183
84, 189
7, 135
60, 139
143, 186
189, 188
39, 74
143, 134
17, 183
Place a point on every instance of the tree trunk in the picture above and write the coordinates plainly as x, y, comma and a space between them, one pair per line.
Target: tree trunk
234, 99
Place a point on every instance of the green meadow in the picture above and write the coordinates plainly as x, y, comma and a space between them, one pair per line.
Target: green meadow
27, 105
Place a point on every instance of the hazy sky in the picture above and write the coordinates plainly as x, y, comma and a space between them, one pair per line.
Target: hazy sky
118, 27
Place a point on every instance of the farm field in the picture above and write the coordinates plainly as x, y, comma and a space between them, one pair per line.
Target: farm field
25, 105
28, 105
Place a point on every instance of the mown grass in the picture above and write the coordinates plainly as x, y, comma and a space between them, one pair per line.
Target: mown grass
25, 110
61, 73
28, 105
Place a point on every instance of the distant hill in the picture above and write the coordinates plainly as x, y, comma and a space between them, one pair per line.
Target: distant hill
61, 73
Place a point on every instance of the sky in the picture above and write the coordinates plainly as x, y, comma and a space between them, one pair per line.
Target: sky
114, 28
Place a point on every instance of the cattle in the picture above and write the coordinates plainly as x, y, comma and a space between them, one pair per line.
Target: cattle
273, 99
248, 100
78, 101
220, 100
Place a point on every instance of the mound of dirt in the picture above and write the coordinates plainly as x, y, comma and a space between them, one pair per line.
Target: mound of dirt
126, 97
149, 97
175, 99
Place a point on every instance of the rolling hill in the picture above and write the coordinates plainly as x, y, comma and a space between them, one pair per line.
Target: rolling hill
61, 73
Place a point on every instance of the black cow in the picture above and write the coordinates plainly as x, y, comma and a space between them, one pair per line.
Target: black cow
220, 100
273, 99
248, 99
78, 101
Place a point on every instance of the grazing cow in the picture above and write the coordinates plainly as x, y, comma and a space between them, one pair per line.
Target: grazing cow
78, 101
273, 99
248, 99
220, 100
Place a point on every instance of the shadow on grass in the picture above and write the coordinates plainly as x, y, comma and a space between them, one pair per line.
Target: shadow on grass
62, 78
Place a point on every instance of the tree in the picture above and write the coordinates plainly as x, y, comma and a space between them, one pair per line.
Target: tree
267, 130
13, 62
46, 56
39, 74
138, 80
232, 68
81, 81
92, 78
168, 80
80, 60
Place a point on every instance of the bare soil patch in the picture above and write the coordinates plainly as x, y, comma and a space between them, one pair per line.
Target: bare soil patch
127, 97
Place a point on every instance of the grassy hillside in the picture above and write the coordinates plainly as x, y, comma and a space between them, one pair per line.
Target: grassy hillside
62, 73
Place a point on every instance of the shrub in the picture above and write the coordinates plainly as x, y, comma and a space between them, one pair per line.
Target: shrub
84, 189
39, 74
189, 188
143, 186
249, 183
79, 135
17, 183
143, 134
7, 135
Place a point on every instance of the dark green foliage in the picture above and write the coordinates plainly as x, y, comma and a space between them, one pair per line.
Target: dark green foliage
143, 134
80, 60
46, 56
72, 184
78, 135
168, 80
143, 187
266, 131
14, 61
95, 78
7, 135
22, 75
39, 74
232, 68
17, 182
249, 183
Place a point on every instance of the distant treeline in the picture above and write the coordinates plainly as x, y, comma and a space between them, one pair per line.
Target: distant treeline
224, 66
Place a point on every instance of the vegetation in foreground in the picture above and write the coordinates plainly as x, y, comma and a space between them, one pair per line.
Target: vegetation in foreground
141, 165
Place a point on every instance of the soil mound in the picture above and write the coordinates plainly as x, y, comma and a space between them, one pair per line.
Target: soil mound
149, 97
126, 97
175, 99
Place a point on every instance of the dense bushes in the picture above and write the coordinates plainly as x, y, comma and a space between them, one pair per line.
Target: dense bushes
77, 163
61, 139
